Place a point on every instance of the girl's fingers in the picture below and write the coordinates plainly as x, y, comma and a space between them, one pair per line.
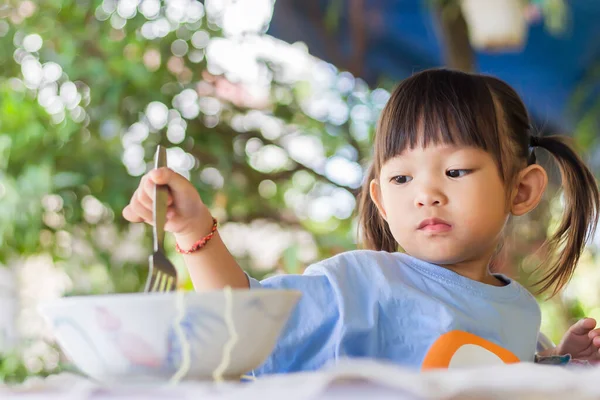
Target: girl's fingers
141, 205
129, 212
583, 327
179, 186
130, 215
145, 197
166, 176
594, 357
147, 186
141, 211
594, 333
171, 212
147, 194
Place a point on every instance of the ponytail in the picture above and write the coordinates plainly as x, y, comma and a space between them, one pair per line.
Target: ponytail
582, 203
375, 231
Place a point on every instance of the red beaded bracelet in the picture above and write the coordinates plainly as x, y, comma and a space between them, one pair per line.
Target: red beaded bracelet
200, 243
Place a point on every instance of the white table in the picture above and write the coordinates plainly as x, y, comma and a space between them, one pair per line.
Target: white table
348, 380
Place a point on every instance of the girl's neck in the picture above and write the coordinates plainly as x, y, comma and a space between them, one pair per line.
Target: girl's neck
476, 270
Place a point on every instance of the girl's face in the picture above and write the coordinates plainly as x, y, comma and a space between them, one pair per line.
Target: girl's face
444, 204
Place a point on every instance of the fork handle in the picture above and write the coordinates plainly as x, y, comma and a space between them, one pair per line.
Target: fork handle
161, 194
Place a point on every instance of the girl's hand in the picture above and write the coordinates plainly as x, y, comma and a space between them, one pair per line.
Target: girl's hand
582, 341
186, 211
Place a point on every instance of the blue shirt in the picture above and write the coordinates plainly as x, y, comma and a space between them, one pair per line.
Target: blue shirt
395, 307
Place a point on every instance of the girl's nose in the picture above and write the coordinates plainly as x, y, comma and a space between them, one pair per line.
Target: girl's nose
430, 198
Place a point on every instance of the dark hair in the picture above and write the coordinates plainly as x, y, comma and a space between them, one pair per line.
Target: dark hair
441, 106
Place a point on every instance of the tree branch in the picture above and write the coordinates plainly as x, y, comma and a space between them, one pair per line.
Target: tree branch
455, 37
287, 174
359, 33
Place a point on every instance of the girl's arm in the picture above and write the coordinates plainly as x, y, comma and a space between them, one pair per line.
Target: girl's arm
213, 266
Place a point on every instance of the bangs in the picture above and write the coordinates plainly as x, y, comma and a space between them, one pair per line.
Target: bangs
439, 107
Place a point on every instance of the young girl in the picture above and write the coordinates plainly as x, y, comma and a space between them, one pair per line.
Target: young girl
454, 158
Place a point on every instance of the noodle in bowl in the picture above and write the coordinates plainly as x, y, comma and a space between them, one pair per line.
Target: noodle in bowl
170, 336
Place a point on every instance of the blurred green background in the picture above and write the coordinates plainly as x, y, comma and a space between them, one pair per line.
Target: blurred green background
88, 88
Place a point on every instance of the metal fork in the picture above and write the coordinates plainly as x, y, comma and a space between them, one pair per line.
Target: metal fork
162, 276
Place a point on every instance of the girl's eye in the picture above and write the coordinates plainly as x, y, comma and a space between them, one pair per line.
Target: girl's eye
401, 179
457, 173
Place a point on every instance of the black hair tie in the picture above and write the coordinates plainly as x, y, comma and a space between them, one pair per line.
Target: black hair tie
534, 141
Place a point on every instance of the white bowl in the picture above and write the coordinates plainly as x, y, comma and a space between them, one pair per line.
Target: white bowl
139, 337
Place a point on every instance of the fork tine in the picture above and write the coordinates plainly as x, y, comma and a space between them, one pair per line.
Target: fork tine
155, 281
149, 280
159, 281
163, 283
169, 283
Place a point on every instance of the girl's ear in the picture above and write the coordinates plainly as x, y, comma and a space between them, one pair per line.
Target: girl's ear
530, 187
375, 192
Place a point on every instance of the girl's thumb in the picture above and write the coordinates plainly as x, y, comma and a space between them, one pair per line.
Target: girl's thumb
166, 176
